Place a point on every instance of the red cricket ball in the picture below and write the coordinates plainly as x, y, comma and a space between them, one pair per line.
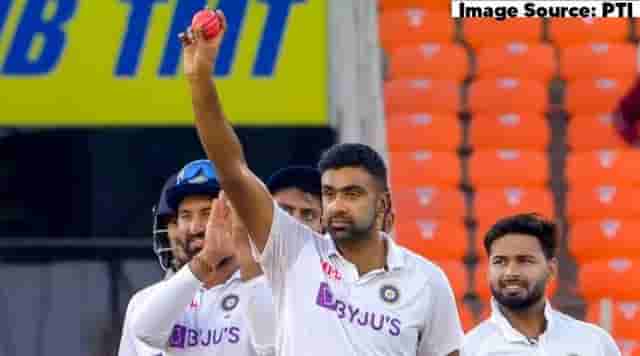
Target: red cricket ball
209, 21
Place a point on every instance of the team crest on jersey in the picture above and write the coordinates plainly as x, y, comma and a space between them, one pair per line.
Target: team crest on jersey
389, 294
229, 302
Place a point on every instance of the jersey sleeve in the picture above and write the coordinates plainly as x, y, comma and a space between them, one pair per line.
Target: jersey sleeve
154, 322
260, 315
442, 332
127, 342
286, 240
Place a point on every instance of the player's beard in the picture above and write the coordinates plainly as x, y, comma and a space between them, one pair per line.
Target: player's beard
189, 249
518, 303
352, 230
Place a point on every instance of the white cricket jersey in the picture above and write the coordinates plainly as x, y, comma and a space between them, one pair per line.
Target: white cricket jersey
129, 345
324, 308
180, 317
260, 316
564, 336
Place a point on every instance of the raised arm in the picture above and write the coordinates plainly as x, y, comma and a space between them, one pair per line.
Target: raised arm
245, 191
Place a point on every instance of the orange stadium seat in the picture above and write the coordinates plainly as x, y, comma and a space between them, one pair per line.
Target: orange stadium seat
497, 168
456, 272
571, 31
493, 204
616, 279
507, 95
610, 238
591, 132
443, 5
421, 95
402, 27
604, 167
419, 168
411, 132
606, 201
467, 318
522, 130
589, 96
429, 60
481, 283
599, 60
490, 33
624, 320
429, 202
432, 238
515, 60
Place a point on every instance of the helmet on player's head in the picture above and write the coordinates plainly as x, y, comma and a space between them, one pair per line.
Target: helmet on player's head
196, 178
162, 214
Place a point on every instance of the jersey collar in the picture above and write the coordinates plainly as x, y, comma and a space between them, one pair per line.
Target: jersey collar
395, 254
511, 334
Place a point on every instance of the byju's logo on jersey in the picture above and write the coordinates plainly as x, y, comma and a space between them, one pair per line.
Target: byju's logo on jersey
184, 337
325, 299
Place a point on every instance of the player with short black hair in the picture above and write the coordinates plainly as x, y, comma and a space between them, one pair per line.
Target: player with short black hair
522, 260
361, 292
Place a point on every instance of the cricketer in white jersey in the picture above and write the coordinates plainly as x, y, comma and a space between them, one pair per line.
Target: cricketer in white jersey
129, 345
324, 307
171, 256
355, 293
198, 311
521, 250
563, 336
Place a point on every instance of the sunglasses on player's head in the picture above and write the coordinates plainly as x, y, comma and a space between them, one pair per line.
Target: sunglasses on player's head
200, 171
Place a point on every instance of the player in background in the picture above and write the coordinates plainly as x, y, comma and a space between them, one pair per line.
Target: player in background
171, 256
374, 297
522, 260
197, 311
296, 189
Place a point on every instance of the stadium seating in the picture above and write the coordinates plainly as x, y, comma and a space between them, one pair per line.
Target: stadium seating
411, 132
412, 169
429, 60
494, 203
591, 96
481, 33
507, 102
604, 238
442, 5
624, 318
421, 95
602, 201
593, 132
412, 26
609, 279
507, 95
498, 168
433, 238
572, 31
598, 60
513, 60
527, 131
604, 167
429, 202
